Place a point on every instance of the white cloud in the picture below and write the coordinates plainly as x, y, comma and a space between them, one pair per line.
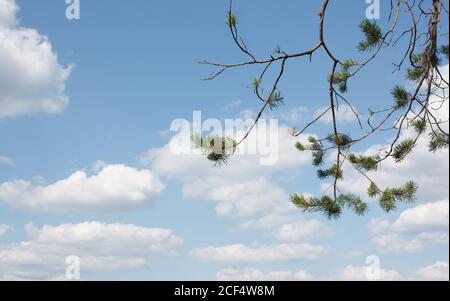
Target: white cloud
413, 230
360, 273
259, 253
436, 272
250, 274
355, 253
236, 198
344, 114
426, 217
114, 188
100, 247
300, 231
6, 160
378, 225
303, 276
434, 237
295, 116
397, 244
31, 79
4, 229
270, 220
8, 11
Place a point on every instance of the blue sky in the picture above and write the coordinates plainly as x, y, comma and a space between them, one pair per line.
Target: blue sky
135, 70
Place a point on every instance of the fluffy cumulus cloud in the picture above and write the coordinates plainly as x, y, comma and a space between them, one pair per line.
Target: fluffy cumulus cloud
31, 79
414, 229
425, 217
435, 272
251, 274
113, 188
99, 247
4, 229
259, 253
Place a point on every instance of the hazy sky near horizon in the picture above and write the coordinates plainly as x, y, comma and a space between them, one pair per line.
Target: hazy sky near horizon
87, 168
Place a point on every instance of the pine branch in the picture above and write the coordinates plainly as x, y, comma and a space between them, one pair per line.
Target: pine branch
372, 34
354, 203
438, 141
401, 97
390, 197
324, 205
402, 149
367, 163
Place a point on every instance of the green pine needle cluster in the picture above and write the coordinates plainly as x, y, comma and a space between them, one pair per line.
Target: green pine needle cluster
401, 97
438, 141
342, 141
391, 196
373, 190
419, 68
327, 206
403, 149
315, 147
275, 99
373, 35
367, 163
324, 205
444, 50
341, 77
353, 202
419, 125
335, 172
415, 74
